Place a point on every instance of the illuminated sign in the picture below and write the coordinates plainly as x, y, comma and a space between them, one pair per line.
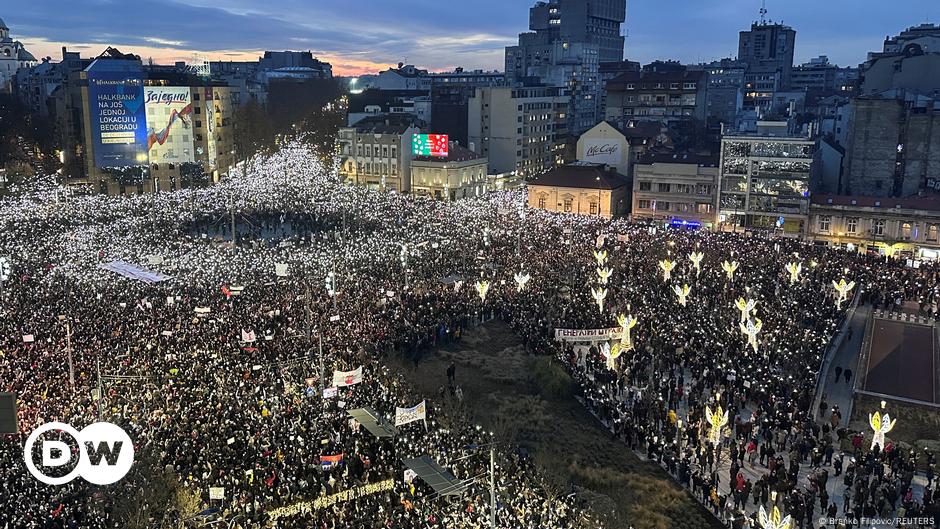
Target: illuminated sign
118, 121
682, 223
429, 145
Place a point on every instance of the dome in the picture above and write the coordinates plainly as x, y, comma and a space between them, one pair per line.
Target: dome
23, 55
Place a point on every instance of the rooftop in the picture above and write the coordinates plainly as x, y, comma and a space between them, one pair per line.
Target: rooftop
705, 160
455, 153
582, 175
386, 124
931, 203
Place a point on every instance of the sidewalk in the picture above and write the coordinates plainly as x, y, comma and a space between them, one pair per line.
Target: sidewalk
839, 392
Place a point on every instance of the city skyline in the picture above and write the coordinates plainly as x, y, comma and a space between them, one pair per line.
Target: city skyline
429, 35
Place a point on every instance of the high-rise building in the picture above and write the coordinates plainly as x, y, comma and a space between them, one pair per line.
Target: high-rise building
909, 61
567, 42
519, 130
768, 48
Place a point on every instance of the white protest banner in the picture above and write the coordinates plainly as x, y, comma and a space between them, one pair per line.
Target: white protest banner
588, 335
28, 338
329, 393
170, 300
347, 378
248, 336
202, 310
280, 269
410, 475
216, 493
407, 415
167, 333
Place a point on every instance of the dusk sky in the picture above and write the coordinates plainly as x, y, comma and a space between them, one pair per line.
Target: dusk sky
363, 36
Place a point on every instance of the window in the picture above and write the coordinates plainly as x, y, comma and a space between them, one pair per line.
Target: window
644, 204
932, 232
662, 187
824, 222
688, 86
704, 208
541, 202
878, 227
673, 86
593, 208
631, 86
567, 204
645, 186
906, 230
851, 225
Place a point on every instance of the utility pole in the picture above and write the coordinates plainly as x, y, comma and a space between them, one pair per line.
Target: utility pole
100, 392
492, 486
232, 215
68, 347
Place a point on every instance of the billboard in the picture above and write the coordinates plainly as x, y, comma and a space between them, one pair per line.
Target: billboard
118, 122
169, 124
603, 151
429, 145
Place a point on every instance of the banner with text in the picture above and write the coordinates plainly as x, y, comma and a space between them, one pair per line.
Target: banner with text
587, 335
347, 378
407, 415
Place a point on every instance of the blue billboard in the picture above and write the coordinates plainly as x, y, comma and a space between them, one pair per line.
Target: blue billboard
118, 115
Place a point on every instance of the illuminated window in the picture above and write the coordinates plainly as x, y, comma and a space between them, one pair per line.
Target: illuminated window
932, 232
567, 204
824, 222
541, 202
906, 230
593, 208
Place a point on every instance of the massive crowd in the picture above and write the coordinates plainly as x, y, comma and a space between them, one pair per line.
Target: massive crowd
203, 404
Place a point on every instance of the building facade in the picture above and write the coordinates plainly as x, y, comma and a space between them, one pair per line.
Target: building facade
581, 188
518, 129
668, 96
820, 75
462, 174
768, 48
13, 56
893, 145
764, 179
605, 143
682, 188
568, 39
892, 227
376, 152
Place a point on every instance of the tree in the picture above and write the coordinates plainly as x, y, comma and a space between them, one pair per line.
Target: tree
193, 174
254, 130
152, 496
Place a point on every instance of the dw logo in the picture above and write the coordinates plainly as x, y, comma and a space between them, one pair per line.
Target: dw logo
105, 453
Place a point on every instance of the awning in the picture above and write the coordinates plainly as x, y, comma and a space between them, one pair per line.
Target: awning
374, 422
442, 481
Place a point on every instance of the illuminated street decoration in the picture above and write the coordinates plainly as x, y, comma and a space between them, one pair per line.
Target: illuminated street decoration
745, 307
717, 420
521, 279
667, 266
601, 256
774, 520
625, 344
880, 425
482, 288
696, 258
794, 269
599, 294
751, 329
843, 289
729, 269
604, 274
682, 292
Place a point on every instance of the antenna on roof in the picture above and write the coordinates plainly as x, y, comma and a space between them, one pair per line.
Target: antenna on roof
763, 11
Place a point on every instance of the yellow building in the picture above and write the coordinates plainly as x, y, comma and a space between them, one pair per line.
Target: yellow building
894, 227
581, 188
461, 174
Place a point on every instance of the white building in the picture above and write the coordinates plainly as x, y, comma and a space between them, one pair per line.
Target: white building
13, 56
